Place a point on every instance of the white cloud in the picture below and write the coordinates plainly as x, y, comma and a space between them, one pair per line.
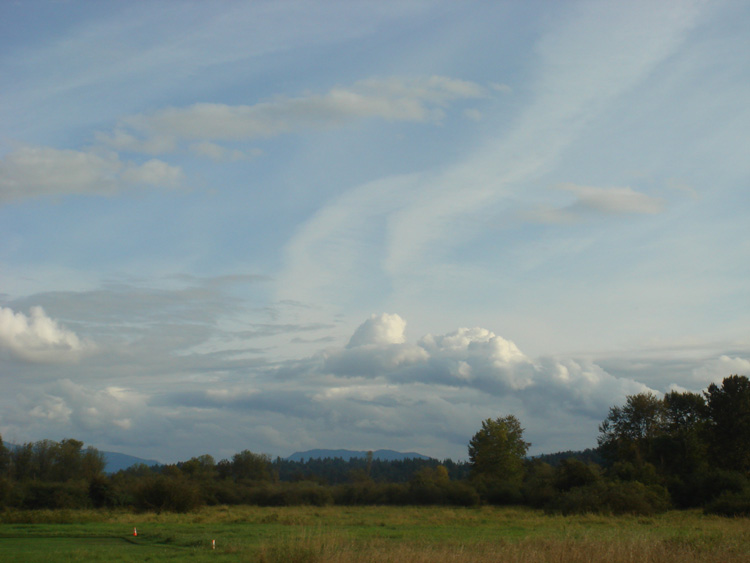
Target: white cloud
595, 200
121, 140
614, 200
100, 409
30, 172
379, 330
478, 359
393, 99
716, 369
38, 338
39, 171
53, 409
218, 153
153, 173
445, 383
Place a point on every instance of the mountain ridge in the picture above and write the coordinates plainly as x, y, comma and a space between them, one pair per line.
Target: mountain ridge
383, 455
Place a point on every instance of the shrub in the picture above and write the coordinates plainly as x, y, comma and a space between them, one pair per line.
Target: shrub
460, 493
42, 494
291, 494
539, 485
699, 489
730, 504
161, 493
500, 492
101, 492
573, 473
6, 490
629, 497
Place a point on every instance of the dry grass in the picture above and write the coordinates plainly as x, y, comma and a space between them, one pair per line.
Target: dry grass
337, 550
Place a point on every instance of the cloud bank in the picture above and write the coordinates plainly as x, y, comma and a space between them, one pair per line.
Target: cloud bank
378, 388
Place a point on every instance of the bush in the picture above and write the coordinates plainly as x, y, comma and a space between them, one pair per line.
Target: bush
291, 494
701, 488
173, 494
460, 493
6, 490
41, 494
572, 473
499, 492
629, 497
426, 494
641, 472
102, 493
369, 493
539, 484
730, 504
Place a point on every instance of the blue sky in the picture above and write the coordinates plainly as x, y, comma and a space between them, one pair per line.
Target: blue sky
288, 225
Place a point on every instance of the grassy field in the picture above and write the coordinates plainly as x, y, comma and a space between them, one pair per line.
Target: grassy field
342, 534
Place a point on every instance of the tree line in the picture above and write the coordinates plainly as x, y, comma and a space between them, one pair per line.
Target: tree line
681, 450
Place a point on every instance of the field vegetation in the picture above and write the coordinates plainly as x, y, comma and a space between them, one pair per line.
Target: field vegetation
345, 534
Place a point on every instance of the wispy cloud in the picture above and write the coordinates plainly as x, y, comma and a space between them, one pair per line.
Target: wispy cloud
583, 66
392, 99
31, 172
590, 200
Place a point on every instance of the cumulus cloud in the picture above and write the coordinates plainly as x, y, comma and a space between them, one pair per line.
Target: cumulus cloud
376, 347
38, 338
31, 171
95, 409
478, 359
716, 369
393, 99
97, 414
441, 385
379, 330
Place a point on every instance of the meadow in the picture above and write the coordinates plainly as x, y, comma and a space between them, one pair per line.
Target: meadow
379, 534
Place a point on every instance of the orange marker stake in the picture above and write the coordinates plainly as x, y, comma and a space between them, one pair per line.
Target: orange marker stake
213, 544
135, 532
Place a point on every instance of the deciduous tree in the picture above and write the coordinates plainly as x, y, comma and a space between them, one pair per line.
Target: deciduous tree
497, 450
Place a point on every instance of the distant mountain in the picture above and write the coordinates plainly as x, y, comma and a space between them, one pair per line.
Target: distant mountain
117, 461
384, 455
114, 461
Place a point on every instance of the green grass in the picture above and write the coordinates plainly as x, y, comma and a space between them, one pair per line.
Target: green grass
411, 534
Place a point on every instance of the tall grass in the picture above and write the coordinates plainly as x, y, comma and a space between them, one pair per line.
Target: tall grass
325, 548
384, 534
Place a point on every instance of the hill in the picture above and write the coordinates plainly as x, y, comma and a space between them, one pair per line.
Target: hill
117, 461
383, 455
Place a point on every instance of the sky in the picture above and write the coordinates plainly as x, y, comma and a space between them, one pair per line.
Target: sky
280, 226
